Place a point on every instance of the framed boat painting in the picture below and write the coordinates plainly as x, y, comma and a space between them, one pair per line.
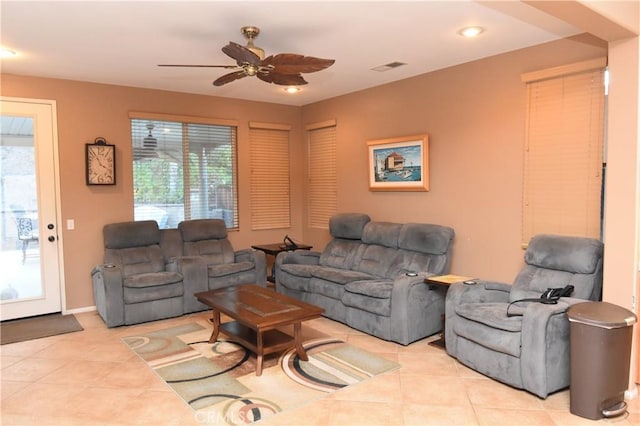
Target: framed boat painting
399, 164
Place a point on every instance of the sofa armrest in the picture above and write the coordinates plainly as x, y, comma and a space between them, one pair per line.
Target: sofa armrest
545, 345
259, 259
108, 293
194, 279
412, 299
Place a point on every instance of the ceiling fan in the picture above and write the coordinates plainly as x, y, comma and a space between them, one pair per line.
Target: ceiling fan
284, 69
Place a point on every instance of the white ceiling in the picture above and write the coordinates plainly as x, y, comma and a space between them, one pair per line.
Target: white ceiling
121, 42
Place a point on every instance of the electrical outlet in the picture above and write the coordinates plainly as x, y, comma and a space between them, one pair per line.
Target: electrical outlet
71, 225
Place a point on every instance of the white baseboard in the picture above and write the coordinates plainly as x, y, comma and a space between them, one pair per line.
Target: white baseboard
80, 310
631, 393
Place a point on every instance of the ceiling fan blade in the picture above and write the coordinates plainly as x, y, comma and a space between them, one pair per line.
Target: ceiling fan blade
291, 63
228, 78
241, 54
282, 79
199, 66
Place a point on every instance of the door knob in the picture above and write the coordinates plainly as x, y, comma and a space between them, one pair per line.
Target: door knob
51, 238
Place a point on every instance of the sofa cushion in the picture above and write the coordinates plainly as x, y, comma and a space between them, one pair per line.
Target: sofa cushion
341, 253
299, 270
131, 234
372, 296
137, 260
380, 289
376, 260
493, 315
505, 338
202, 229
340, 276
214, 252
425, 238
571, 254
229, 269
147, 294
152, 279
348, 225
327, 288
381, 233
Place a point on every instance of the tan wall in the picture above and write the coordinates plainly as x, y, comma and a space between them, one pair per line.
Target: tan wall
475, 117
86, 111
474, 114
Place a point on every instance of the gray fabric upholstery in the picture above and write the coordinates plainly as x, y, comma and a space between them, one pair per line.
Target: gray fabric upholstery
207, 239
150, 274
360, 276
531, 350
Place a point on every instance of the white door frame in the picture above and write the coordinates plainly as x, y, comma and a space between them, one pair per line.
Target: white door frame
52, 171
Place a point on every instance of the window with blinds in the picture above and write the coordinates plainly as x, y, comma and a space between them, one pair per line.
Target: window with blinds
184, 170
563, 155
322, 189
270, 201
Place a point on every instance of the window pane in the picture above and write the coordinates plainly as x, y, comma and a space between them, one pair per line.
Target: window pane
171, 159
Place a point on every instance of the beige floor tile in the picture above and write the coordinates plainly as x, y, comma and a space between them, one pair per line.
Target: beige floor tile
438, 390
26, 348
429, 364
8, 360
365, 413
32, 369
133, 374
9, 388
43, 399
372, 344
81, 372
438, 415
316, 414
495, 417
490, 394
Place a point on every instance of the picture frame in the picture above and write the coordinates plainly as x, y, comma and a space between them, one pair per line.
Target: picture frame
399, 164
100, 160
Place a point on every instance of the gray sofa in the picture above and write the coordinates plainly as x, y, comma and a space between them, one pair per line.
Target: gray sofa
529, 349
150, 273
370, 276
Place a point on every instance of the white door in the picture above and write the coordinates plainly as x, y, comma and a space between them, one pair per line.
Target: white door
30, 250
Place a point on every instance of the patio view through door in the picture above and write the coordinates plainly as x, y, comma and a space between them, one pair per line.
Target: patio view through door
30, 278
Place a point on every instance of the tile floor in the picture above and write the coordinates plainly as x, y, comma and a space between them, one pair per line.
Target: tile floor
92, 378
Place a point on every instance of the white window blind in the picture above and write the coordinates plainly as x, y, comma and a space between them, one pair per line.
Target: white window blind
322, 189
183, 171
270, 191
563, 155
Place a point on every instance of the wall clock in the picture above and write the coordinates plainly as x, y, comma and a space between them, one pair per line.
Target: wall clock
101, 162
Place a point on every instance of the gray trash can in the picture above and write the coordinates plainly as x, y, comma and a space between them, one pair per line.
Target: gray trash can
601, 336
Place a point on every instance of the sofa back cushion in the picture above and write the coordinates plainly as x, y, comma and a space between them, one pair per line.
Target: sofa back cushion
348, 226
207, 238
554, 261
134, 247
341, 253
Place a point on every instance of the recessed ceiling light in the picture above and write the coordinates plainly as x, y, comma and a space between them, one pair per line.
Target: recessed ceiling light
470, 32
292, 89
7, 53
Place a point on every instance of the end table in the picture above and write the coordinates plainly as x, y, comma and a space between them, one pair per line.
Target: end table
444, 281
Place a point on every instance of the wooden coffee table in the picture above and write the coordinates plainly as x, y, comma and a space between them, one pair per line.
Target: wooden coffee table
257, 313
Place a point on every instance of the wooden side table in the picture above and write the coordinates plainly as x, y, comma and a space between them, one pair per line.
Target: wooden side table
272, 250
444, 281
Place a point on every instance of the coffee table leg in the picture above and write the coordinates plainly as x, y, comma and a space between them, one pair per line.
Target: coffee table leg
297, 337
215, 318
259, 354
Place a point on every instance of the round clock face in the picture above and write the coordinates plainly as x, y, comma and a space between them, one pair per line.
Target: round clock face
101, 164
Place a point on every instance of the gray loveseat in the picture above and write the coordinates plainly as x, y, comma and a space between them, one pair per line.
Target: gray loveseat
370, 276
150, 273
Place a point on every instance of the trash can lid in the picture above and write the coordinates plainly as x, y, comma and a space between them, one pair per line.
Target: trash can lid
601, 314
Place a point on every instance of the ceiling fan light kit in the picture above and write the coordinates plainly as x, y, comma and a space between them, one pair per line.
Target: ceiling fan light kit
283, 69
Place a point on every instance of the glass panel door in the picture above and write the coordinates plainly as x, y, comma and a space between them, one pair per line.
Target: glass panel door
30, 278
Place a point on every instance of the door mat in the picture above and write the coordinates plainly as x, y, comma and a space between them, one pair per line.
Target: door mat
19, 330
218, 380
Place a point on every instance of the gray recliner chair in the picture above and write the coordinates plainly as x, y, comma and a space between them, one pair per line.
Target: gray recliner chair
529, 350
134, 284
207, 239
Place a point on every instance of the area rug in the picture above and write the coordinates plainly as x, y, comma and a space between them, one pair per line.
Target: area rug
19, 330
219, 382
